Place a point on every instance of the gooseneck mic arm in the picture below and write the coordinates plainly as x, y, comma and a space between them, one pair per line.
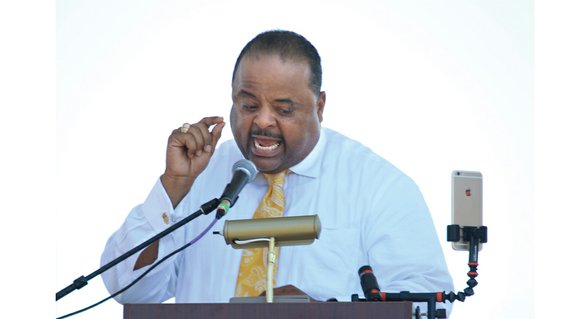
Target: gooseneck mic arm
83, 280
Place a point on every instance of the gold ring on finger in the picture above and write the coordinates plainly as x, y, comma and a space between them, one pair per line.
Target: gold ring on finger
185, 127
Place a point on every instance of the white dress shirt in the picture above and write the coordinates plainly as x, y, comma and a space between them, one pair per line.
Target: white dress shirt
371, 214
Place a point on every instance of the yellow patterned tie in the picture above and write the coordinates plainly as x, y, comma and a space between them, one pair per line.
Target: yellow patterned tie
252, 275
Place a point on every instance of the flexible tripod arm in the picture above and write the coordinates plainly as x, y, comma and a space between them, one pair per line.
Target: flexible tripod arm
475, 236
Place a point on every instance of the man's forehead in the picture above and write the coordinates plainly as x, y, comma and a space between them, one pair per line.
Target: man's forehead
268, 59
267, 75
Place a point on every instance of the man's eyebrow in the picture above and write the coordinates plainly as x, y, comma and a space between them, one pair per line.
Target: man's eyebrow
246, 93
284, 100
243, 92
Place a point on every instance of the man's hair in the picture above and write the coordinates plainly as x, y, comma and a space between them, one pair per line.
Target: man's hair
287, 45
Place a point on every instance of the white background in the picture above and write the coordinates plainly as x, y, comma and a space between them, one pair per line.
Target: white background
431, 86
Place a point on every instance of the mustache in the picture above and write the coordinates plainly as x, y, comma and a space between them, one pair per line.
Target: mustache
266, 133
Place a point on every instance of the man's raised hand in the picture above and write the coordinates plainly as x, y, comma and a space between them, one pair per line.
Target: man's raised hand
189, 149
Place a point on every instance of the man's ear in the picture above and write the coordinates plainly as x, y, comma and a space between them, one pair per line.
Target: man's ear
320, 105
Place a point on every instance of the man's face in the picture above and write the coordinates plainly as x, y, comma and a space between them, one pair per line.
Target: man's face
275, 117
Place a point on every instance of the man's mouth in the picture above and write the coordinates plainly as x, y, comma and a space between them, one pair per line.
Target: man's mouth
266, 146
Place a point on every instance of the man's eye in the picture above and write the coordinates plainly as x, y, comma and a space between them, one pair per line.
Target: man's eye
286, 110
249, 107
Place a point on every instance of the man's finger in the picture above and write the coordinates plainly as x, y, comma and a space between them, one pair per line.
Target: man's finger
201, 135
216, 133
211, 120
187, 141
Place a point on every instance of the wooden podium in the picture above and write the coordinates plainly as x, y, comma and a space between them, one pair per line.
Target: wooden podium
318, 310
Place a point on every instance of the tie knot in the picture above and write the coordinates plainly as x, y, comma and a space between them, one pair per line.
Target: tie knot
276, 179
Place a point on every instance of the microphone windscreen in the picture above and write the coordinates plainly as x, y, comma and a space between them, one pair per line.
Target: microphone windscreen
248, 166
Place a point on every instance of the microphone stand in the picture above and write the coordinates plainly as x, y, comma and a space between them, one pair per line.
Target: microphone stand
82, 281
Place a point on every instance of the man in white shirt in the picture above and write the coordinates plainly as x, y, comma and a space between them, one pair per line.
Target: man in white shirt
371, 213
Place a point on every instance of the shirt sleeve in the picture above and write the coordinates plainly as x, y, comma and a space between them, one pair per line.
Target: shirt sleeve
142, 223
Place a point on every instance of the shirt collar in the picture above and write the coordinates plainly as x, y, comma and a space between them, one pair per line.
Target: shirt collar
311, 165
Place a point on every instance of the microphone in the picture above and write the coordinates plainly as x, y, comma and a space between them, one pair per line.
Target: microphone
369, 284
253, 233
244, 172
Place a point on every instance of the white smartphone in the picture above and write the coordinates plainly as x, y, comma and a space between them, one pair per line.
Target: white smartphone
466, 202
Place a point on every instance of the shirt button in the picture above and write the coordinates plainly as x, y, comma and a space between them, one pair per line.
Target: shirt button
165, 218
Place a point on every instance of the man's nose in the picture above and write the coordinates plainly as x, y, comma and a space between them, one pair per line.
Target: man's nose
265, 117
